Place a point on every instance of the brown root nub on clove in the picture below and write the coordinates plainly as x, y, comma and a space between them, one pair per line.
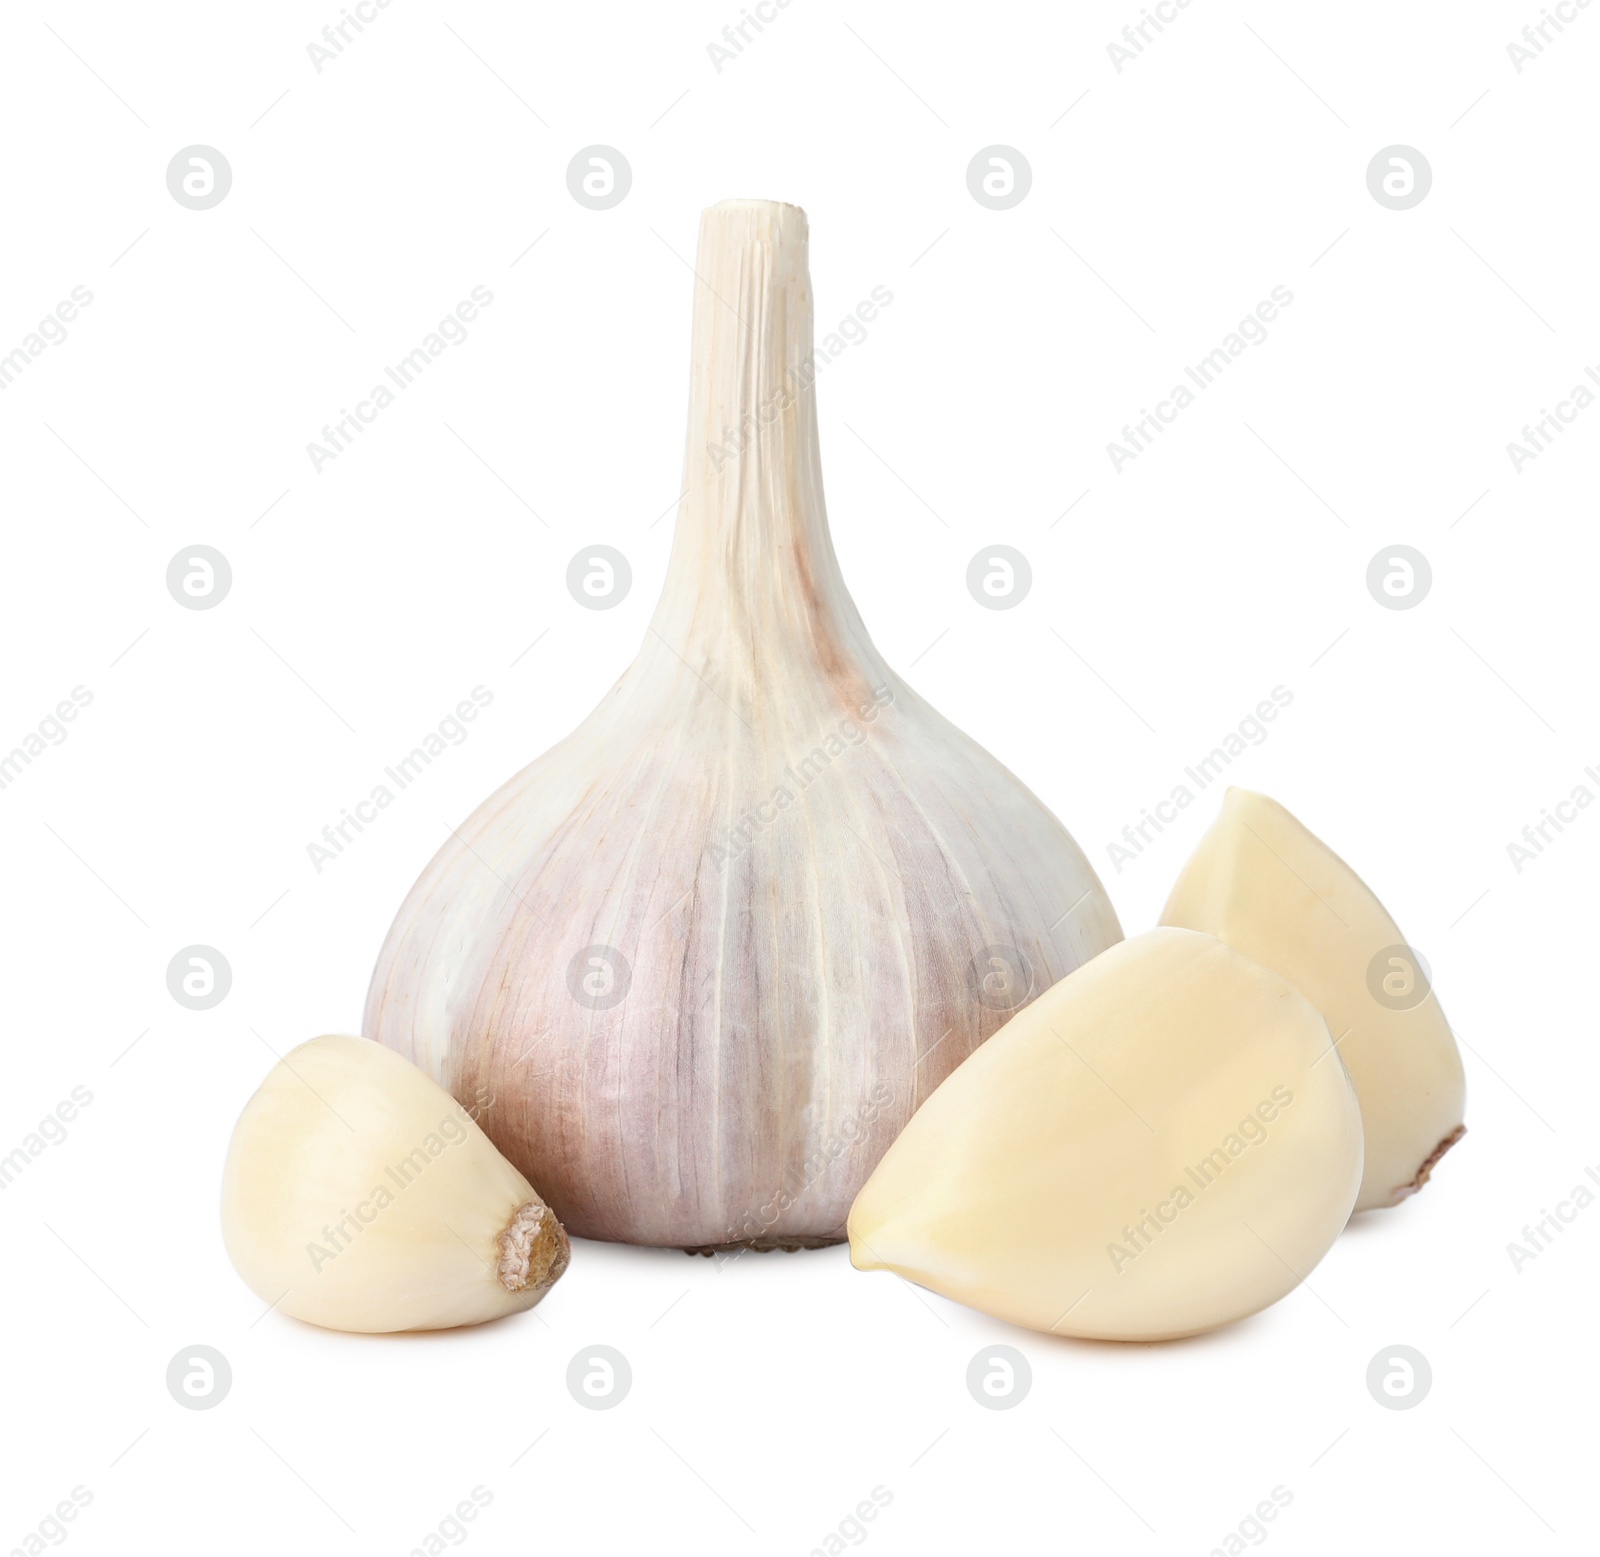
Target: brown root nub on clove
1426, 1170
534, 1250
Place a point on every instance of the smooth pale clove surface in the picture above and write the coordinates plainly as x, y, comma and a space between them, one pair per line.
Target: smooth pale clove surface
708, 954
359, 1195
1163, 1142
1263, 883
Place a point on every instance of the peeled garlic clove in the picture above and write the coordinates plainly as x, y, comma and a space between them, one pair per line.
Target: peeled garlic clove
1264, 884
710, 952
1162, 1143
360, 1196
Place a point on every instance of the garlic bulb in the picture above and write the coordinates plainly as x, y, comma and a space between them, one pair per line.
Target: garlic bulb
1162, 1143
360, 1196
1264, 884
709, 953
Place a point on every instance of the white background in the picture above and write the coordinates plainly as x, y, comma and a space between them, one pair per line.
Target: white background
773, 1395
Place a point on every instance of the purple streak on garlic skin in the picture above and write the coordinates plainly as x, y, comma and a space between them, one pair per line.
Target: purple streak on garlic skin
800, 966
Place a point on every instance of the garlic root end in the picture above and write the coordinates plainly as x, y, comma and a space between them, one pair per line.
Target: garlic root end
789, 1245
1425, 1172
534, 1249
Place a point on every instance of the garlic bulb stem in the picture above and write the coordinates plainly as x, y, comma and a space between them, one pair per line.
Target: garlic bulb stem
753, 581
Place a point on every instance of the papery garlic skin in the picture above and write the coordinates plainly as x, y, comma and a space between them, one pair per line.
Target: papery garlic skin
1266, 885
358, 1195
1162, 1143
798, 870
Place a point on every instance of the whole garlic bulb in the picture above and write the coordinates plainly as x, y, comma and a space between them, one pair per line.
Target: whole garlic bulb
709, 953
